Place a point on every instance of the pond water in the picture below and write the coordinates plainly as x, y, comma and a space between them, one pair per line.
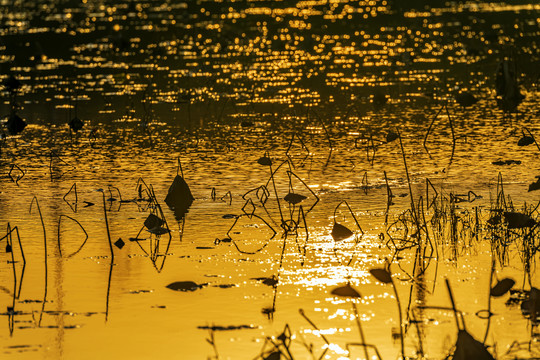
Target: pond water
322, 88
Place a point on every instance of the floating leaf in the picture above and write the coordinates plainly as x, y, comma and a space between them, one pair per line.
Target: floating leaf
265, 161
518, 220
502, 287
226, 328
466, 99
535, 185
340, 232
347, 291
294, 199
526, 140
152, 221
184, 286
468, 348
119, 243
391, 136
270, 281
76, 124
179, 197
15, 124
382, 275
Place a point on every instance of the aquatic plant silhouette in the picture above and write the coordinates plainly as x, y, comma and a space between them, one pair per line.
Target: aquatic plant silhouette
527, 139
212, 341
20, 173
179, 197
111, 263
59, 232
184, 286
385, 276
73, 189
499, 289
156, 224
341, 232
10, 232
228, 195
302, 312
349, 292
15, 124
250, 216
280, 347
508, 91
451, 125
465, 98
75, 124
289, 150
466, 346
46, 272
54, 156
11, 309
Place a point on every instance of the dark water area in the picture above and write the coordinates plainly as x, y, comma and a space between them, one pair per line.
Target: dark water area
401, 137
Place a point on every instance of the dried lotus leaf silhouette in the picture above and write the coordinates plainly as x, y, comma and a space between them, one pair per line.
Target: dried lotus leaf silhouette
391, 136
346, 291
76, 124
468, 348
340, 232
265, 160
502, 287
465, 99
382, 275
15, 124
179, 197
535, 185
525, 140
294, 199
184, 286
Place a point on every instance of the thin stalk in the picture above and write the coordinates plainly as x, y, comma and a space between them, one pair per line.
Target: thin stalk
316, 328
11, 320
107, 226
275, 191
400, 320
408, 177
453, 305
112, 257
108, 292
362, 337
45, 251
489, 300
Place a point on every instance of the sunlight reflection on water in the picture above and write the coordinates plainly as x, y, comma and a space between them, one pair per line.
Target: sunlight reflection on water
317, 83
